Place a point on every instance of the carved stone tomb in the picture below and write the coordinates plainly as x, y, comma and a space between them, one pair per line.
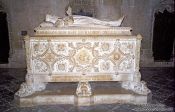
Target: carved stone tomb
84, 55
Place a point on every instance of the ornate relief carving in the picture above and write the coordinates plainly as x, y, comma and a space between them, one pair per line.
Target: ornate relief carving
40, 66
49, 57
24, 90
126, 64
83, 59
29, 89
30, 86
61, 47
115, 56
39, 48
137, 87
119, 31
83, 89
105, 46
82, 56
61, 67
105, 66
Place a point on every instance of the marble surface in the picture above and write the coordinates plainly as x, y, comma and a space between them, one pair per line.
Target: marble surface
77, 57
78, 20
159, 80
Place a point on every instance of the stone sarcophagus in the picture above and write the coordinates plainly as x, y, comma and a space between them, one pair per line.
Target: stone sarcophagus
83, 55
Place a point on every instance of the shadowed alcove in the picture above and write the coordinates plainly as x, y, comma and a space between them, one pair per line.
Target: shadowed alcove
4, 37
164, 34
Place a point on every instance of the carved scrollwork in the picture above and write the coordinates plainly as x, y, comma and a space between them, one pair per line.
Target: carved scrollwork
83, 89
82, 56
137, 87
30, 86
28, 89
24, 90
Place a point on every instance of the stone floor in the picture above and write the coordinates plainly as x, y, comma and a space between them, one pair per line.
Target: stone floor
160, 80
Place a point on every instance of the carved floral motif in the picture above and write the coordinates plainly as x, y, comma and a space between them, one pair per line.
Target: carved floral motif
40, 66
61, 47
49, 57
105, 46
39, 48
82, 56
61, 67
105, 66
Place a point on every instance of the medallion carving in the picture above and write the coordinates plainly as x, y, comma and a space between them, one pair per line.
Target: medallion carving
82, 57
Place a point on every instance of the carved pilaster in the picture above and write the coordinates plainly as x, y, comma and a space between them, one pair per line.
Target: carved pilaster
137, 75
27, 47
138, 43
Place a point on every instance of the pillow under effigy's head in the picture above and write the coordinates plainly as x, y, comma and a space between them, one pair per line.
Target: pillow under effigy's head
46, 24
51, 18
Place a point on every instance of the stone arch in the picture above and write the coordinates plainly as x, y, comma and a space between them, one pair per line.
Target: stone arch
5, 32
160, 6
5, 8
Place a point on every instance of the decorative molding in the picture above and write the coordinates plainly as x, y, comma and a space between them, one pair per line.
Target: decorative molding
71, 31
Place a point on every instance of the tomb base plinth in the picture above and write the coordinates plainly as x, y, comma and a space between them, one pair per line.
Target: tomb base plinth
66, 94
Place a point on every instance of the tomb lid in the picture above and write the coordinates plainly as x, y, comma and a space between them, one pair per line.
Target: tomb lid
80, 31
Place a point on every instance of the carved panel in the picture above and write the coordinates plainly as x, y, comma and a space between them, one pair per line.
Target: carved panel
82, 57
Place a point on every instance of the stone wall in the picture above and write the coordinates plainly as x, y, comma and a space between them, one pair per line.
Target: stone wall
25, 15
140, 16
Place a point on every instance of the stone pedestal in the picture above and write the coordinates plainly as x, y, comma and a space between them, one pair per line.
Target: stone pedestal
102, 93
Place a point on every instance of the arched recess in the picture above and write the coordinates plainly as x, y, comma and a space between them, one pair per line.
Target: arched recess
4, 35
160, 7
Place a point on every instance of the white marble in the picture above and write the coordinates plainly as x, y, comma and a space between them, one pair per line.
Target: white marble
77, 20
76, 54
